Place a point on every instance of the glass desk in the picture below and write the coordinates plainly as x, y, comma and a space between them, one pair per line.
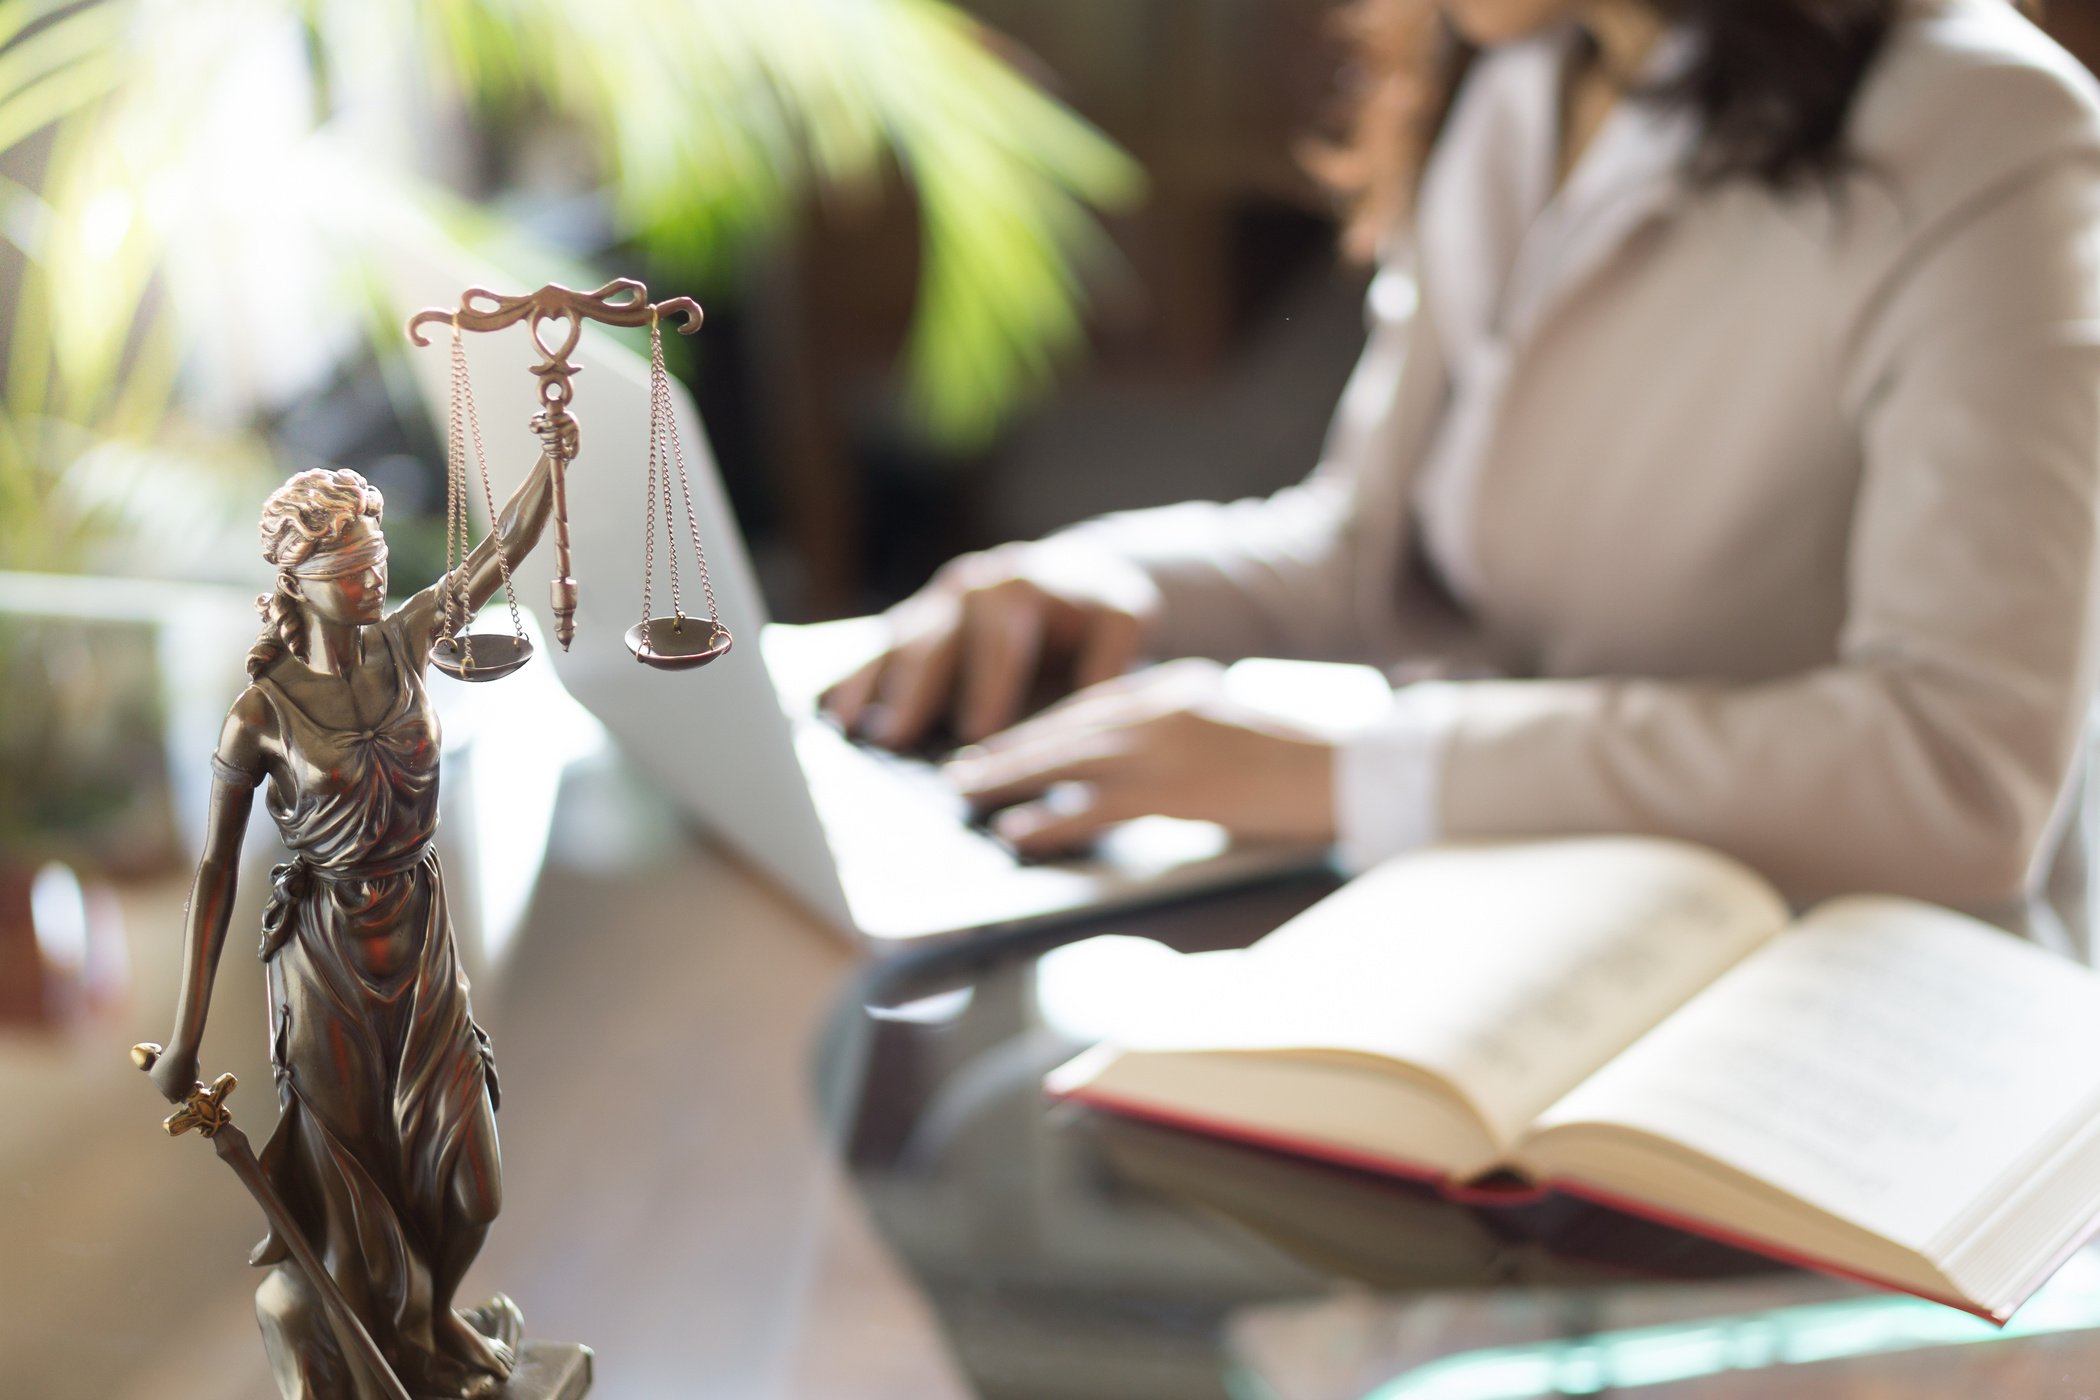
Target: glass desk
1067, 1253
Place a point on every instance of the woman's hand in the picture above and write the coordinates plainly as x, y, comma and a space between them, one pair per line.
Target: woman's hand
976, 643
1165, 742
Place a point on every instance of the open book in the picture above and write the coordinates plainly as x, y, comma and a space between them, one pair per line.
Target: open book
1883, 1089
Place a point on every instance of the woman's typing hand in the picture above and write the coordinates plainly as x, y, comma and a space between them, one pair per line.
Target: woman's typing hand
1165, 741
979, 642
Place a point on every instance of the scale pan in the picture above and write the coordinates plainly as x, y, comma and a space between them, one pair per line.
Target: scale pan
486, 657
677, 643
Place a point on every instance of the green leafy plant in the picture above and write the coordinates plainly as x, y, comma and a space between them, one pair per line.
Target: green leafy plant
164, 188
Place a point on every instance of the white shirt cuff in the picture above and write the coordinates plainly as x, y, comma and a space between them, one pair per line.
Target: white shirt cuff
1387, 776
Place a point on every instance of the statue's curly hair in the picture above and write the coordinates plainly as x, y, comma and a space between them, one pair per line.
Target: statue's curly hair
304, 517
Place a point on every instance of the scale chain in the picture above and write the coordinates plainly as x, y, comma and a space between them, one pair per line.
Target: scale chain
667, 449
660, 417
455, 484
692, 522
481, 462
466, 422
649, 496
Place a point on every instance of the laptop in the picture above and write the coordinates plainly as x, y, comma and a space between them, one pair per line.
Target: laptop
877, 844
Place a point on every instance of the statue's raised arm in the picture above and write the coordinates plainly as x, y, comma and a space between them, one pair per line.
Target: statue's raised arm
518, 528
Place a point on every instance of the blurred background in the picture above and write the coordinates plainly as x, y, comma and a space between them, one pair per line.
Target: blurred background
971, 271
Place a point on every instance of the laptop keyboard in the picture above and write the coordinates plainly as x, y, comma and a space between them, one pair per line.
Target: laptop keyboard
923, 774
907, 789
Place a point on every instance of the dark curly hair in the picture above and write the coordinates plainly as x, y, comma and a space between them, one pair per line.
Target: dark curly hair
1772, 82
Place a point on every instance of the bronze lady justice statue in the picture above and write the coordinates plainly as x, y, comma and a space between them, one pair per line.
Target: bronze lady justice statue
385, 1150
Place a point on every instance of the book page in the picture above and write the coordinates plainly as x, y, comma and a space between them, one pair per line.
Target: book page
1893, 1064
1510, 971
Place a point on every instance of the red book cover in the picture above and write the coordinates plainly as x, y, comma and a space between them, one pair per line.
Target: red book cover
1513, 1193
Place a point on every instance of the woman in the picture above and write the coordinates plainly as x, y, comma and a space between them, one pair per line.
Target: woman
385, 1148
1734, 480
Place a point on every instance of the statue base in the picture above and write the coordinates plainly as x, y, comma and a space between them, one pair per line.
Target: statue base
549, 1371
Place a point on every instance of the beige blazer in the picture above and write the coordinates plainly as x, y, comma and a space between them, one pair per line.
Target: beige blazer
1786, 526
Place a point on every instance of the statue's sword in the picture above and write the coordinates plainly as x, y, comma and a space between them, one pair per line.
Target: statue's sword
205, 1110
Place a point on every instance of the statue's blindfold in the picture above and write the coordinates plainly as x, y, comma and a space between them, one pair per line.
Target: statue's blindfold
336, 563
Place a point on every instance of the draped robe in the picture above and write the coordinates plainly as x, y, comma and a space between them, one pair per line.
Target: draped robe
381, 1073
